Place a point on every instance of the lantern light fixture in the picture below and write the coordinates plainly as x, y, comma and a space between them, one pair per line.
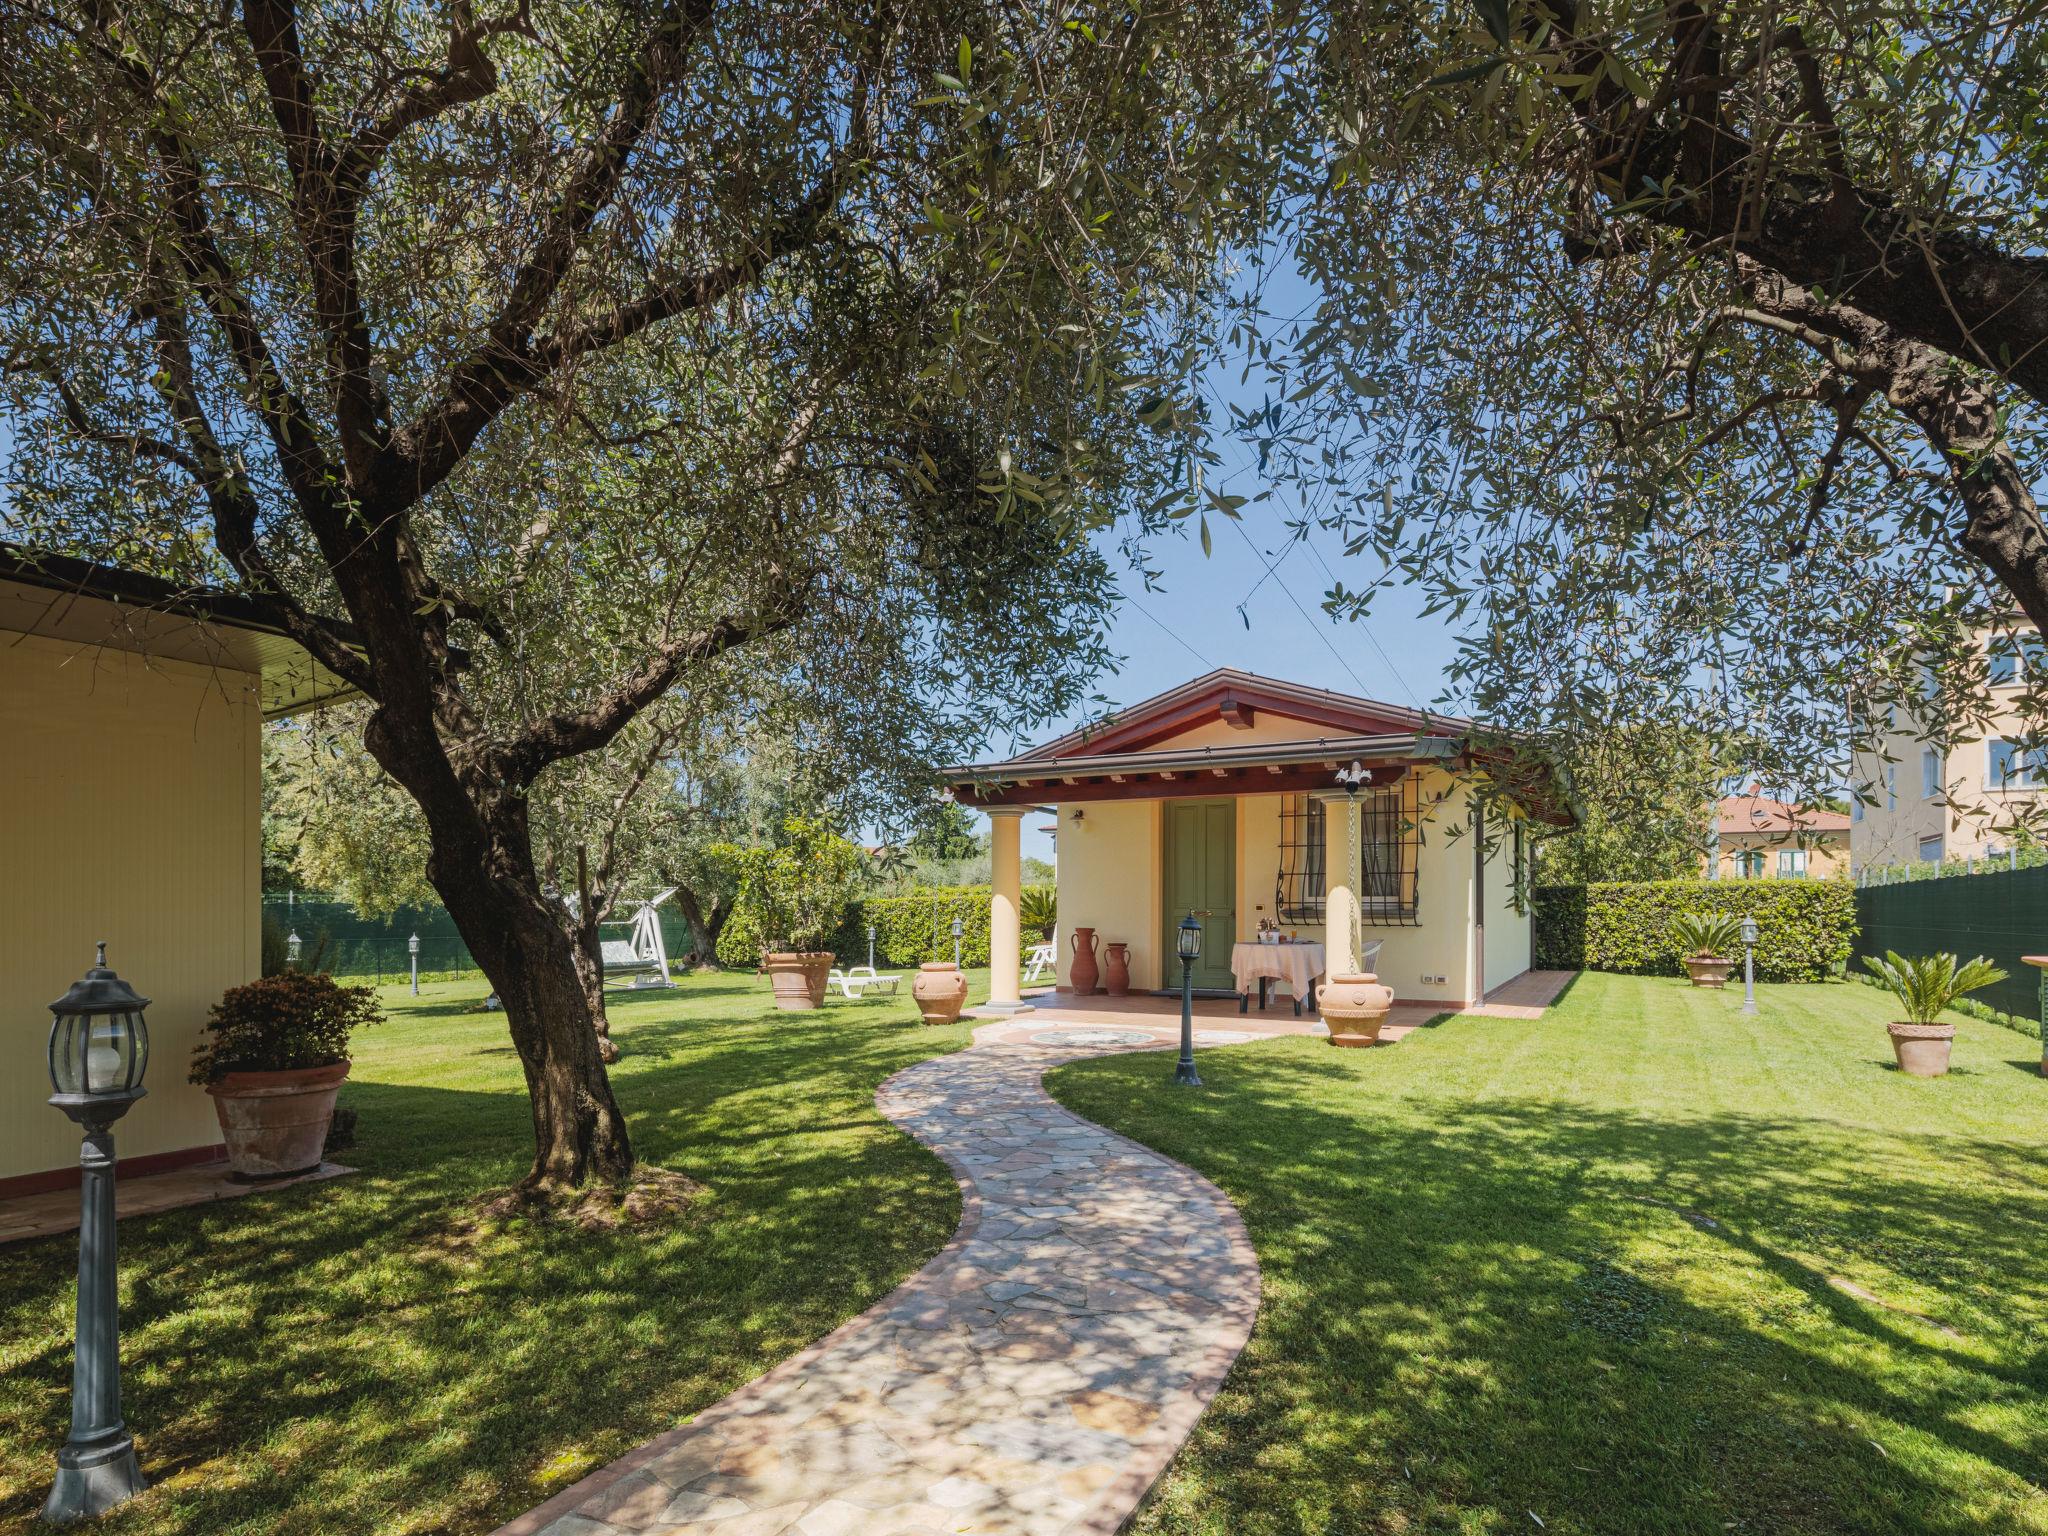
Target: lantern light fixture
99, 1049
292, 945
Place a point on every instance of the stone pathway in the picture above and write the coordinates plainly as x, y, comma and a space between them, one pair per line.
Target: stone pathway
1035, 1377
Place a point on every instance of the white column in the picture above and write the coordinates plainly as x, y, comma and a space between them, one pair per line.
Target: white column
1006, 895
1340, 924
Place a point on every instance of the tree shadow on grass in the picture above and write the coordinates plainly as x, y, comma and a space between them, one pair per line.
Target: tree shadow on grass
355, 1355
1622, 1322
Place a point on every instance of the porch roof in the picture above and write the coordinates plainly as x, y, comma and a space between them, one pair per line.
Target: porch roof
1131, 756
1256, 768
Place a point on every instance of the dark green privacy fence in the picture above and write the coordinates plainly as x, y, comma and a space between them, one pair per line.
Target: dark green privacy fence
374, 948
2002, 915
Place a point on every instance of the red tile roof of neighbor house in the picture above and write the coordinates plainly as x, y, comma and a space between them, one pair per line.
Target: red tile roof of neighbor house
1753, 812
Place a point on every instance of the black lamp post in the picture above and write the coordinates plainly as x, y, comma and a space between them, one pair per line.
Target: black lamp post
1188, 943
958, 928
99, 1047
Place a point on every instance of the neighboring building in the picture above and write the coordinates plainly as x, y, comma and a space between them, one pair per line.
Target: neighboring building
1221, 797
131, 811
1933, 805
1756, 837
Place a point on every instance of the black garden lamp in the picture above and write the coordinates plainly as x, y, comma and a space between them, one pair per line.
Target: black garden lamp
1749, 932
292, 944
99, 1048
1187, 942
958, 928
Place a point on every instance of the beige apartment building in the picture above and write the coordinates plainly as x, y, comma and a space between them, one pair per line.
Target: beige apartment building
1959, 804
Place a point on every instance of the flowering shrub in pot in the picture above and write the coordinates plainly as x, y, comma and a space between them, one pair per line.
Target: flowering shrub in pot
273, 1058
794, 895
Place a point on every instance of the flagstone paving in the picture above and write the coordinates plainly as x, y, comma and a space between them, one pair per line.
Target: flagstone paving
1035, 1377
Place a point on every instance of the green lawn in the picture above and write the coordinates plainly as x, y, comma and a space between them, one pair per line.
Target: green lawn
1581, 1274
346, 1357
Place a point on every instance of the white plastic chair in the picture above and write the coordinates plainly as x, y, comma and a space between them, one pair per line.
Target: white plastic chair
1037, 963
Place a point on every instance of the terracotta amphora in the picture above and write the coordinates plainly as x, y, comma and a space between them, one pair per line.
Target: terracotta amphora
1085, 972
1116, 972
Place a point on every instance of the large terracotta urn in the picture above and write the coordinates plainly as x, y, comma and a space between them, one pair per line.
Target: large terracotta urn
1922, 1049
1354, 1006
798, 977
1084, 975
1116, 968
275, 1123
941, 992
1708, 970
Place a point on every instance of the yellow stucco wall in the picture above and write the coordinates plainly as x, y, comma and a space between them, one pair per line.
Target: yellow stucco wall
130, 811
1827, 853
1439, 943
1508, 932
1265, 728
1109, 880
1258, 860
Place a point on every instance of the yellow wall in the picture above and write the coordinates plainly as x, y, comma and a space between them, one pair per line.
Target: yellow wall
130, 811
1109, 880
1827, 853
1258, 860
1264, 729
1508, 938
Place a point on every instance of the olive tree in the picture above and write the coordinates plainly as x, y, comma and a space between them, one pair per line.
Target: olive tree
623, 343
1692, 354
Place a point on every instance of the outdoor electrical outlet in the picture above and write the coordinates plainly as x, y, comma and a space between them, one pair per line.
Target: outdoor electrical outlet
1432, 981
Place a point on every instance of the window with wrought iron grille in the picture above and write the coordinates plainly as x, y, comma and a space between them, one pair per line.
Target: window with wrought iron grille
1301, 894
1389, 848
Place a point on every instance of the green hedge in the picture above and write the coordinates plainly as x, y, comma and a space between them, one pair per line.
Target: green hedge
1807, 928
909, 930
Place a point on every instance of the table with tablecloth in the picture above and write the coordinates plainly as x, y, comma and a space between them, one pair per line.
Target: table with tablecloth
1300, 965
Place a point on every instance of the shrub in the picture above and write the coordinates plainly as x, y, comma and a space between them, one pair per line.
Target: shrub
1927, 984
1806, 928
284, 1022
917, 928
792, 896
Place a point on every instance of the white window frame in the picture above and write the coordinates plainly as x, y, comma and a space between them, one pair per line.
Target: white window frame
1936, 856
2024, 771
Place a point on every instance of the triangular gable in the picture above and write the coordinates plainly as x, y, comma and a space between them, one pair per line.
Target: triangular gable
1239, 699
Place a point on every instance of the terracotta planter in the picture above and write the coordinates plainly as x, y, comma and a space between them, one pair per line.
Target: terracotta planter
1116, 971
1354, 1006
275, 1123
1084, 974
1708, 970
1922, 1049
798, 978
941, 992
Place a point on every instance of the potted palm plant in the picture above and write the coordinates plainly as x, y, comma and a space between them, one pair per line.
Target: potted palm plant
1926, 986
273, 1058
1037, 911
1707, 942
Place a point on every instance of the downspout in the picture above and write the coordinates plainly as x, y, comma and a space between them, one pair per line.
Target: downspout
1478, 901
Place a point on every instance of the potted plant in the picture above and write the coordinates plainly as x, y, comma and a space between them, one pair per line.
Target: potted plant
1926, 986
1707, 942
273, 1058
1038, 911
795, 896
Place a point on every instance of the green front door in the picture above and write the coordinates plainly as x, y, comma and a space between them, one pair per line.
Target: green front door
1201, 877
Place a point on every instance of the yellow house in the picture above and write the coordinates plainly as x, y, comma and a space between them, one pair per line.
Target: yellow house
130, 811
1756, 837
1222, 797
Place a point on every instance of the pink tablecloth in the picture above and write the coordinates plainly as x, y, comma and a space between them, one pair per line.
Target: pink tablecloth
1299, 965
